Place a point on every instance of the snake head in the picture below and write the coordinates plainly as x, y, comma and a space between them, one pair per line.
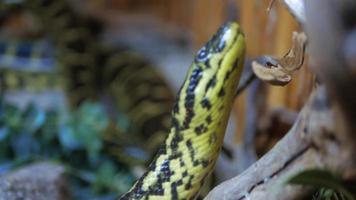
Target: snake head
220, 44
218, 62
213, 75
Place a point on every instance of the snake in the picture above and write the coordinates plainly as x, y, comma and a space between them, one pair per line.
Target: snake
199, 120
27, 66
91, 70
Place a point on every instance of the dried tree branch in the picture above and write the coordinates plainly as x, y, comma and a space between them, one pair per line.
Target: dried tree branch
297, 151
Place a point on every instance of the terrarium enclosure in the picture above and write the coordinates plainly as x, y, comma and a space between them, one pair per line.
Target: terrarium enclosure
93, 91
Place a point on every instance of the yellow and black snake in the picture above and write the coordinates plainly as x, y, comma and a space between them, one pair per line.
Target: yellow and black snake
199, 120
90, 69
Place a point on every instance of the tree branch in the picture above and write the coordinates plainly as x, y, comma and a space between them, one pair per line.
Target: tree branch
297, 151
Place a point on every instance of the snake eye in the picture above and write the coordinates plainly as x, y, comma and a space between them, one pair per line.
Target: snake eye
202, 54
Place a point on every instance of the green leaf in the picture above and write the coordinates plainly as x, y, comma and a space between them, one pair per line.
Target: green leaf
4, 133
12, 117
69, 139
33, 119
73, 138
105, 176
320, 178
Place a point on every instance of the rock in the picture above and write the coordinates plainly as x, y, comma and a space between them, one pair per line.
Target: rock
39, 181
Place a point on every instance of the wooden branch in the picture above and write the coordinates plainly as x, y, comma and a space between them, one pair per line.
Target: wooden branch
300, 149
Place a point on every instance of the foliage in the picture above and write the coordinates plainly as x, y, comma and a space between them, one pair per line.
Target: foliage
34, 134
330, 186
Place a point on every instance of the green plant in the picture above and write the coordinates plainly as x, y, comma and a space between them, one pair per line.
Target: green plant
75, 140
329, 186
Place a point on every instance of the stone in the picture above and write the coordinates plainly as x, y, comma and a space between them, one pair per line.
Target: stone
38, 181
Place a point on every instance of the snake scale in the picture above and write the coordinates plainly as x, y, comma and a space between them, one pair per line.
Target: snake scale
200, 114
199, 120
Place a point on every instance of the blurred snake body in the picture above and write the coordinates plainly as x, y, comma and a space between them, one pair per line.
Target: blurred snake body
199, 120
27, 66
89, 70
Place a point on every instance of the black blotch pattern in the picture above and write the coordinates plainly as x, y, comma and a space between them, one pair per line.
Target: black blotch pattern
174, 186
194, 79
188, 143
189, 184
205, 163
208, 119
188, 118
175, 123
189, 100
227, 75
166, 172
175, 155
185, 174
190, 97
207, 63
181, 162
211, 83
200, 129
221, 92
175, 141
205, 103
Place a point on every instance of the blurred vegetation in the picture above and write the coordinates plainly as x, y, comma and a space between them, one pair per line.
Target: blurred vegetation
33, 134
328, 186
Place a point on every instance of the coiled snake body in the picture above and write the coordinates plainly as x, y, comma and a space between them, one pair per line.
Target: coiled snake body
90, 69
199, 120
